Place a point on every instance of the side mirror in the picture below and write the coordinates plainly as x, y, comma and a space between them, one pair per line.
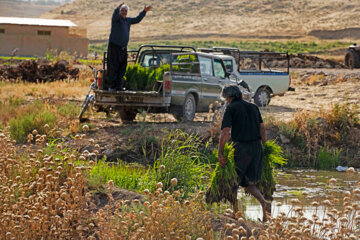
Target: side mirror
227, 74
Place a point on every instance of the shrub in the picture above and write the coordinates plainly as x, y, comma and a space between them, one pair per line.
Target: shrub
20, 127
341, 118
287, 129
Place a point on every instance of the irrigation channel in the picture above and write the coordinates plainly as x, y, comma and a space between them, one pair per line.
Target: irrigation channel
307, 186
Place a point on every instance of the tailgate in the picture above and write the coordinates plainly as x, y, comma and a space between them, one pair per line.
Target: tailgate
131, 98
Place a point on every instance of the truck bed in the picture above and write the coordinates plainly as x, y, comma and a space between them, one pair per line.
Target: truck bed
132, 98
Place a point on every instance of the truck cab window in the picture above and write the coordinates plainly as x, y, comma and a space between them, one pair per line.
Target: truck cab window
150, 60
228, 65
206, 68
219, 69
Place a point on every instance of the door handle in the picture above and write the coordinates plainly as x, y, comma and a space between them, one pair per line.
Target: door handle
205, 79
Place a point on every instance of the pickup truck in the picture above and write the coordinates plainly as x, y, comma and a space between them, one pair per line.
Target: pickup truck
253, 67
194, 82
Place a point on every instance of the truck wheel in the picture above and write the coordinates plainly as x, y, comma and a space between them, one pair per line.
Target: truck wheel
352, 59
186, 112
262, 97
127, 115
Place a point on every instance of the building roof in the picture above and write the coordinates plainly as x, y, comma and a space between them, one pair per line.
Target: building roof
37, 22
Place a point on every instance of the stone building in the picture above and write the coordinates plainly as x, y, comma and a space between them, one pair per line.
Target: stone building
35, 36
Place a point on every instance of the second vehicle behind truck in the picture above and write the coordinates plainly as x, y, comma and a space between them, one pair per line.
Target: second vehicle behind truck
256, 69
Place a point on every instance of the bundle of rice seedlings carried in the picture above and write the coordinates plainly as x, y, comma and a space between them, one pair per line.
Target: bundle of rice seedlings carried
224, 183
272, 158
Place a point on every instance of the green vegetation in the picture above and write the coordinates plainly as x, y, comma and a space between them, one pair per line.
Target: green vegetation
20, 127
122, 174
328, 159
312, 133
180, 158
272, 158
224, 180
90, 62
141, 78
17, 58
70, 110
293, 47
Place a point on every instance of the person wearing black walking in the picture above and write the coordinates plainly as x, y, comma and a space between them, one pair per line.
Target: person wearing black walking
244, 121
117, 46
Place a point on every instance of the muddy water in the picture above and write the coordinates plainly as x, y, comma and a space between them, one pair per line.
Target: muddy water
307, 186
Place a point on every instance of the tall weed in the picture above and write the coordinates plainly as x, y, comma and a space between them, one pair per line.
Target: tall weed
328, 159
180, 158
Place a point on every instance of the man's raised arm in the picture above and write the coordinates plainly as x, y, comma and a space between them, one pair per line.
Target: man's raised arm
140, 16
116, 13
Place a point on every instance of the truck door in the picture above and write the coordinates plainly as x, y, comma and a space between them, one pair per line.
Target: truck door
211, 85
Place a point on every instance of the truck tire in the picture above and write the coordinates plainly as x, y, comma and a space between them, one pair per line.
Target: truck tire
262, 97
352, 59
186, 112
127, 115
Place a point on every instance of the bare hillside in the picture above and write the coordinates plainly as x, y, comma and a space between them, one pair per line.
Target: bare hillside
24, 9
226, 18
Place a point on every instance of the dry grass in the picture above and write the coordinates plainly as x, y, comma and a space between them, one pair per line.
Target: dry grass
58, 89
163, 216
41, 195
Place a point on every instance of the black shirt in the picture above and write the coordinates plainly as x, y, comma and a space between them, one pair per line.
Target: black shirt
244, 119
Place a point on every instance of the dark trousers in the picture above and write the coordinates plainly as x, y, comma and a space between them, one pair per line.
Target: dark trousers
248, 157
116, 65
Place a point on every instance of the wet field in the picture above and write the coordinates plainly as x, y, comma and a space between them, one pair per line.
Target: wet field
308, 186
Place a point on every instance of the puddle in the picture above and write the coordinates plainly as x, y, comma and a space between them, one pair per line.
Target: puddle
307, 186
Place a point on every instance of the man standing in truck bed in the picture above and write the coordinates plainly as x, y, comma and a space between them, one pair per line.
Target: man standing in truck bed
118, 41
